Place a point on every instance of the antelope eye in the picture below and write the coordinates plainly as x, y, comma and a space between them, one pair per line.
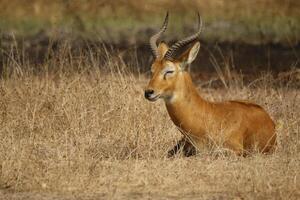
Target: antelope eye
167, 72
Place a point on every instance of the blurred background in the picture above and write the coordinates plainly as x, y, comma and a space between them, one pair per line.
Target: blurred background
249, 36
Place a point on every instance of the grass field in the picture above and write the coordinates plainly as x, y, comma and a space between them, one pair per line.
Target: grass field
130, 22
73, 131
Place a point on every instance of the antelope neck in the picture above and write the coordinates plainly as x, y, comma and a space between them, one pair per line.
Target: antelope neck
185, 98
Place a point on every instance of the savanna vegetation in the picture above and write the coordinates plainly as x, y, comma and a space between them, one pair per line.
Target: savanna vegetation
75, 125
254, 22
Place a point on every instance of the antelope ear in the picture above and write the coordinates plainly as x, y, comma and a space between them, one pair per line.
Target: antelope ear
193, 53
189, 56
162, 50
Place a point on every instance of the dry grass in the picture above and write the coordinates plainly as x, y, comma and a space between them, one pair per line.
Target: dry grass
91, 134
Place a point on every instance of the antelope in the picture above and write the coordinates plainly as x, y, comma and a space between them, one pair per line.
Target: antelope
239, 126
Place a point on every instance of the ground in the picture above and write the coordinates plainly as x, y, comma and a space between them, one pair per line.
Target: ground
91, 134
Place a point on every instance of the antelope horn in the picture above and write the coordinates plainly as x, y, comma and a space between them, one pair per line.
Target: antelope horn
155, 37
171, 53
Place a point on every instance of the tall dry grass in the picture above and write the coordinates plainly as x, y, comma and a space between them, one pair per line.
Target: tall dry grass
73, 129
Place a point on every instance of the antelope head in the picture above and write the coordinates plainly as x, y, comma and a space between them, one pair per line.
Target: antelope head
170, 63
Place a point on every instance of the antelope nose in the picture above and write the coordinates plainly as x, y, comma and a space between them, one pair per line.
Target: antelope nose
148, 93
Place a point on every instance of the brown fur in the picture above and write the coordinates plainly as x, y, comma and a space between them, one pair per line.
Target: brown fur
237, 125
